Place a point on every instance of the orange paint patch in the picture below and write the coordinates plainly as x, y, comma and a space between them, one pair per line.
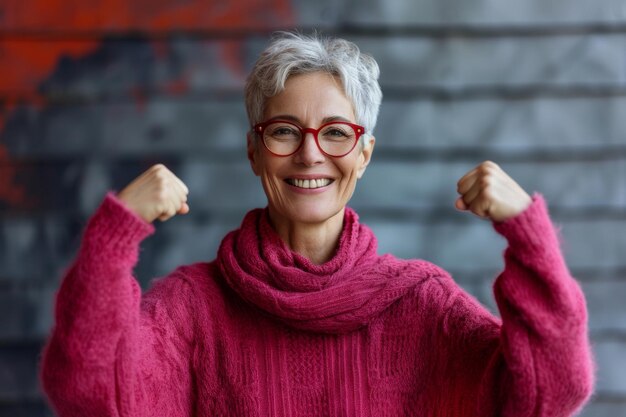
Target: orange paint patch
143, 15
28, 55
24, 65
177, 87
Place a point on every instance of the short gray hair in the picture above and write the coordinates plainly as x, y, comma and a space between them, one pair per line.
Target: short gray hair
292, 53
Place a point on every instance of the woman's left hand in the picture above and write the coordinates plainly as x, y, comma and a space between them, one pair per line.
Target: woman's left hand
490, 193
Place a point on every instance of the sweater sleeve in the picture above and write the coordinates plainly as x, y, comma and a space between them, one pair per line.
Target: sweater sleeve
538, 361
110, 352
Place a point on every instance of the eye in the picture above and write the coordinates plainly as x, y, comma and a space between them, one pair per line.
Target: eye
335, 131
281, 131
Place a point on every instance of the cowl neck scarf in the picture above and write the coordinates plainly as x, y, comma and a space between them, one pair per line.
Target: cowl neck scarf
341, 295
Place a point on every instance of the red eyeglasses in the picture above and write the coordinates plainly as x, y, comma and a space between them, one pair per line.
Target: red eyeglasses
283, 138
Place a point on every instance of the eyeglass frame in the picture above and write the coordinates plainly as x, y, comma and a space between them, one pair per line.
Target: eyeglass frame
359, 131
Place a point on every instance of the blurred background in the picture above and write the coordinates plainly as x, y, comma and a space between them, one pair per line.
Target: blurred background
94, 92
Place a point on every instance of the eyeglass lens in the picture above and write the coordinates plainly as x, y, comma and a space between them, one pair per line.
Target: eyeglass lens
283, 138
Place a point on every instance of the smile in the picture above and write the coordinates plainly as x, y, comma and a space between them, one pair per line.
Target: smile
315, 183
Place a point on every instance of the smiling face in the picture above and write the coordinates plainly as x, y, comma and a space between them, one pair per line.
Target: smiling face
309, 186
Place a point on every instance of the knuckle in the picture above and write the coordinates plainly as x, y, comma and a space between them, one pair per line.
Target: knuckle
160, 175
162, 182
161, 194
488, 167
487, 194
493, 167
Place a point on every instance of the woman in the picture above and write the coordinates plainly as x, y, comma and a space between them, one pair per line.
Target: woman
298, 315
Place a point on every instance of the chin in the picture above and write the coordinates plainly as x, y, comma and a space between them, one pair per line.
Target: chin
312, 213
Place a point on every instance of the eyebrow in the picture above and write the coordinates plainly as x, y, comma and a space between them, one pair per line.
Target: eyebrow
298, 121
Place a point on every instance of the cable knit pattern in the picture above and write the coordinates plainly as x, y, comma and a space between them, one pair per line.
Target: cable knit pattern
261, 331
339, 296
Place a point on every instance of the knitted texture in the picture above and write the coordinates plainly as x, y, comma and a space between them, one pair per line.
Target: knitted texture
261, 331
341, 295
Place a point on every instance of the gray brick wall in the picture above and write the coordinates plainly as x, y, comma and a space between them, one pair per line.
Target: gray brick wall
537, 86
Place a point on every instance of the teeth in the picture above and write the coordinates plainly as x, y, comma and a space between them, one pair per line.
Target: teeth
317, 183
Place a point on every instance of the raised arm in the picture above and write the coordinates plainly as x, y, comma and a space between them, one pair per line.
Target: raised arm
112, 353
538, 363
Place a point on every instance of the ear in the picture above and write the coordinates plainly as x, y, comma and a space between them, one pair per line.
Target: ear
366, 155
252, 156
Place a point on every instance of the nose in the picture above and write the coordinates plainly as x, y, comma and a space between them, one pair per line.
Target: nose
309, 153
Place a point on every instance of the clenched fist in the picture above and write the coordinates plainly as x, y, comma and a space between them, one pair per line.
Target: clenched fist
490, 193
156, 194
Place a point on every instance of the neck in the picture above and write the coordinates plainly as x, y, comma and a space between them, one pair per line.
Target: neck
315, 241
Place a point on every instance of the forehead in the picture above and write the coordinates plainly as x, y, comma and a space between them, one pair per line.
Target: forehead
311, 98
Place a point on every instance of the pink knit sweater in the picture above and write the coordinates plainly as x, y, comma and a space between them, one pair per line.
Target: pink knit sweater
261, 331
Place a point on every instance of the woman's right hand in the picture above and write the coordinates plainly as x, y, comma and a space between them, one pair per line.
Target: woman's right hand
156, 194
